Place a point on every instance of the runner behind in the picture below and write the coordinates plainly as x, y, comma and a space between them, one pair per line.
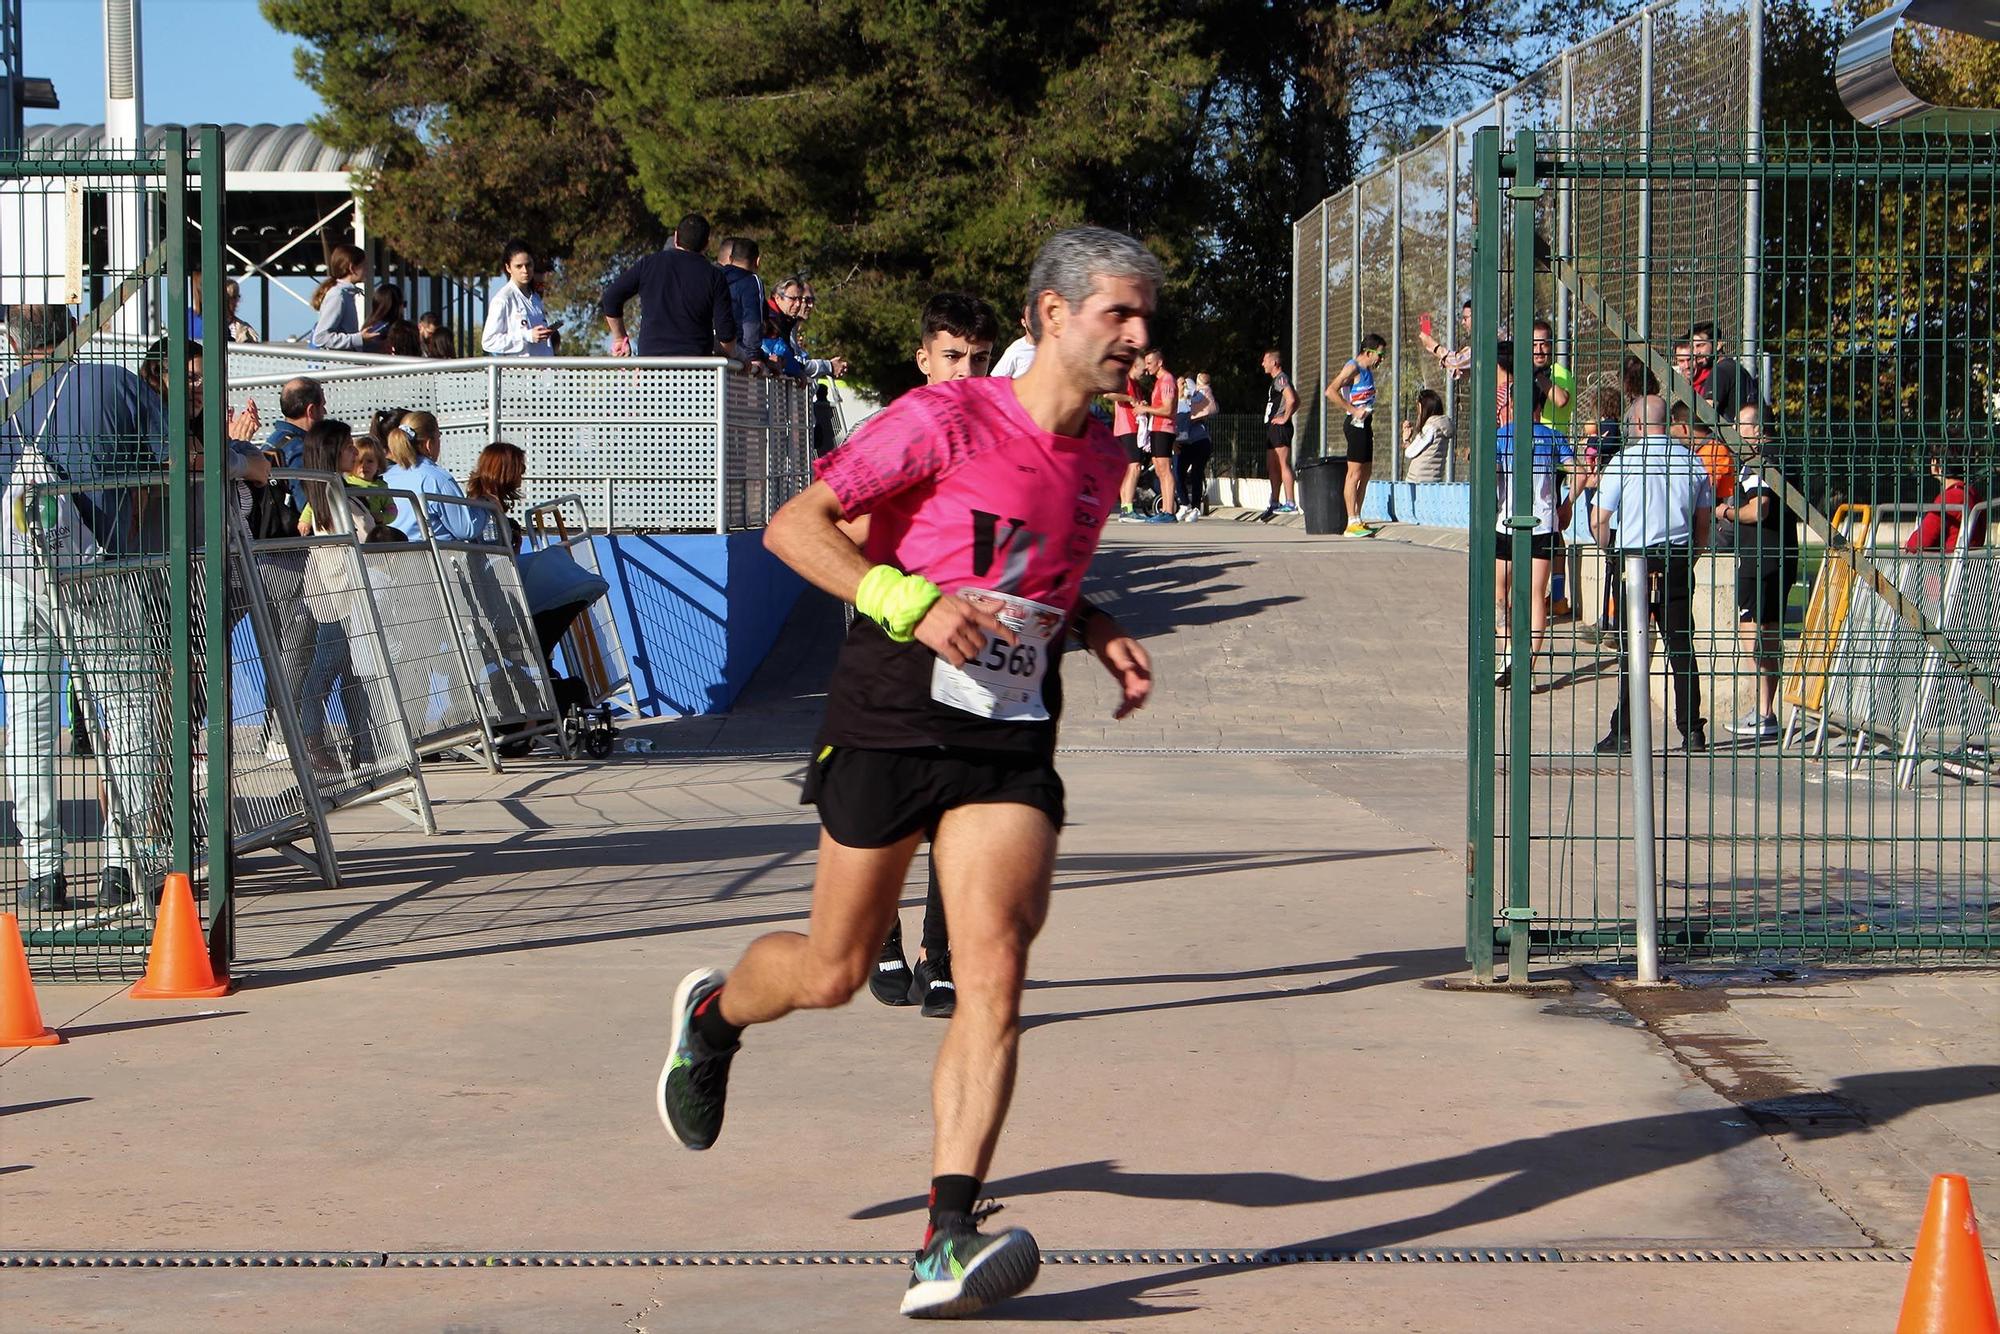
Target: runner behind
957, 342
1280, 407
986, 499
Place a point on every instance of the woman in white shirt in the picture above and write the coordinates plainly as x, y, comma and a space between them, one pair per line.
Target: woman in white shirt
517, 325
1426, 440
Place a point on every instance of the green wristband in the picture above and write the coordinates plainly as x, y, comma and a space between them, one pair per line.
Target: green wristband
895, 601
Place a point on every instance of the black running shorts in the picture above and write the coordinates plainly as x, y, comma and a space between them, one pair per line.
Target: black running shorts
1129, 442
1278, 435
1761, 594
872, 798
1360, 439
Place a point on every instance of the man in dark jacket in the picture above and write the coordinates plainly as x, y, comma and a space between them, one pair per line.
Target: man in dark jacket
685, 299
746, 297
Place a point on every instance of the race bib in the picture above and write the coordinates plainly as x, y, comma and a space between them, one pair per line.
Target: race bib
1004, 682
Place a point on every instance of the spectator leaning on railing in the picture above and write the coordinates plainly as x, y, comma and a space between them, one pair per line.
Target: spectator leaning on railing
684, 299
746, 296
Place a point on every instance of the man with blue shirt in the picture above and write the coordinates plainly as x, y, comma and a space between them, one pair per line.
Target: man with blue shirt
1658, 498
86, 422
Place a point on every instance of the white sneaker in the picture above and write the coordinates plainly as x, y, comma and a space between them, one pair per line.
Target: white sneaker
1762, 727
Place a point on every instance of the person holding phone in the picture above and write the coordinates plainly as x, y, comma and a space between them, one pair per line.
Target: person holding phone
517, 324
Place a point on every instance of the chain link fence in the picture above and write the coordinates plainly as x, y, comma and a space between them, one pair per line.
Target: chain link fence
1395, 247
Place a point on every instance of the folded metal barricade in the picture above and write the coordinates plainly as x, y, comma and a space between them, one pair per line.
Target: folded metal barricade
429, 649
334, 659
475, 547
592, 648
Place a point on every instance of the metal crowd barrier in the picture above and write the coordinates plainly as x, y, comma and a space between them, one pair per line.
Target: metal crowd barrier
592, 648
663, 444
481, 577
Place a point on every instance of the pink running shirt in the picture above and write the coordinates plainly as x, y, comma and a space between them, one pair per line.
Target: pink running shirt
965, 489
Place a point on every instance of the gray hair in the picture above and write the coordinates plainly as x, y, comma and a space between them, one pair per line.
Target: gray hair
1072, 261
38, 328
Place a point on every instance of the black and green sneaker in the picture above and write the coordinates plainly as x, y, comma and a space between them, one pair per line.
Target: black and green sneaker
694, 1083
960, 1270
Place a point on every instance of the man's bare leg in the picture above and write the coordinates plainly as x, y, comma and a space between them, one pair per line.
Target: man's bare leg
994, 863
1284, 488
1128, 490
1164, 470
855, 892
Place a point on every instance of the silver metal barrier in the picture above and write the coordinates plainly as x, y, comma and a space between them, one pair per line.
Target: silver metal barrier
335, 660
428, 652
592, 648
478, 569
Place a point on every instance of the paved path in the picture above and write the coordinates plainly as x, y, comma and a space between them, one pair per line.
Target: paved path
1234, 1041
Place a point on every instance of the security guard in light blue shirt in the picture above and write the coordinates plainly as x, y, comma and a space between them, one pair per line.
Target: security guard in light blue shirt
1655, 500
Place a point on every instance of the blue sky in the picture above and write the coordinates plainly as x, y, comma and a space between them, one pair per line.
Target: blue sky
205, 60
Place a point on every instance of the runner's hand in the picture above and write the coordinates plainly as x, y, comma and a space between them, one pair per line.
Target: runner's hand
957, 631
1130, 666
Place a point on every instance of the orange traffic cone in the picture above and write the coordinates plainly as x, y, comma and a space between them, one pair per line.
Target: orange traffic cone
20, 1017
1948, 1292
177, 968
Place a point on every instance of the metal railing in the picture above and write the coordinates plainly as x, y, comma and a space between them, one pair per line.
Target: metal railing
664, 444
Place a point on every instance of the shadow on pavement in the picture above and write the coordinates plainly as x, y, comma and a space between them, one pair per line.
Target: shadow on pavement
1387, 967
1155, 590
1524, 1175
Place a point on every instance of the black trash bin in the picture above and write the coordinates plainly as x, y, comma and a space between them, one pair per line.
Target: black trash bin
1320, 494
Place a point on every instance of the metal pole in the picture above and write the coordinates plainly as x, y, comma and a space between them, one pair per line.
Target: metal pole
1354, 331
215, 492
1521, 522
1635, 622
1564, 348
1480, 871
1645, 255
180, 681
1396, 324
1753, 200
1318, 403
1451, 297
721, 451
492, 402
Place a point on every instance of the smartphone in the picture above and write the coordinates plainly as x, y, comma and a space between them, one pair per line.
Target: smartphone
1424, 323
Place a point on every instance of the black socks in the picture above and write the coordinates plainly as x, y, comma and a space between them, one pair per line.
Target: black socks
951, 1195
709, 1025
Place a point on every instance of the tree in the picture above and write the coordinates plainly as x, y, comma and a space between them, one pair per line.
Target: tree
891, 149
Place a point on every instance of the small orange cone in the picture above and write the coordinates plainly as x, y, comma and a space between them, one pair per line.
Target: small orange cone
20, 1017
177, 968
1948, 1292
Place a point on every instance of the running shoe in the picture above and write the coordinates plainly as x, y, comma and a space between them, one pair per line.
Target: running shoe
961, 1270
1286, 509
892, 981
934, 987
114, 887
1757, 726
1358, 529
694, 1083
50, 893
1130, 516
1161, 516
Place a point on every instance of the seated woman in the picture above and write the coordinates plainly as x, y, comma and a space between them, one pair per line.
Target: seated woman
414, 445
496, 476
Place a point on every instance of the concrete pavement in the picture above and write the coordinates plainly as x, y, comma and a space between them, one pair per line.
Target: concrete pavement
1234, 1040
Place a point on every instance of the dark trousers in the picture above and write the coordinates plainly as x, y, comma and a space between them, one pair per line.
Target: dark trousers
1191, 472
1670, 598
283, 578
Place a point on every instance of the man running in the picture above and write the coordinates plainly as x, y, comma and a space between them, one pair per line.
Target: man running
986, 499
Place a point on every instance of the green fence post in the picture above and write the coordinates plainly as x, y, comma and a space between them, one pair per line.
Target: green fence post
1523, 194
179, 588
1479, 861
215, 547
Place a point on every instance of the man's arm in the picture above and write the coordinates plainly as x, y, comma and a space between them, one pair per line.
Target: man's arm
612, 307
1704, 521
1600, 527
805, 534
1336, 391
1122, 655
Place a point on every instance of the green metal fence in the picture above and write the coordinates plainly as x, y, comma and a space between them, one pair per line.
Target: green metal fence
1836, 608
114, 481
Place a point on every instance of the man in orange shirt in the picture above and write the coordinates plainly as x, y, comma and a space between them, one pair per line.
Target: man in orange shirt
1713, 451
